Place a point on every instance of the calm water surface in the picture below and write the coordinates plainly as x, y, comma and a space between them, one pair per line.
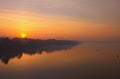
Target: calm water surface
84, 61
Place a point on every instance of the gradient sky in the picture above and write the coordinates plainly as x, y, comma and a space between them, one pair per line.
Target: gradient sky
64, 19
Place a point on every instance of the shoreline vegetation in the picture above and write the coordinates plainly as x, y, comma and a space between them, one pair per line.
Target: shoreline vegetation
15, 47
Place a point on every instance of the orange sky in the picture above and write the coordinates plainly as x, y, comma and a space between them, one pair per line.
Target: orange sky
45, 26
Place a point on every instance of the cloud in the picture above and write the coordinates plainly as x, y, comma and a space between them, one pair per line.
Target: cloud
106, 11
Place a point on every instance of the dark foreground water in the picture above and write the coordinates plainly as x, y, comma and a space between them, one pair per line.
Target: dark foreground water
84, 61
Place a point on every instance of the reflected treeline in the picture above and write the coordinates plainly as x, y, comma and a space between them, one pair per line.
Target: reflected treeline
10, 48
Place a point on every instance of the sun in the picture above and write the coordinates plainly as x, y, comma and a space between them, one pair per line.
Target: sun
23, 35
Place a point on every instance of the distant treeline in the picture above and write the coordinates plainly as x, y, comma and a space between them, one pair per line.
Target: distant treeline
26, 42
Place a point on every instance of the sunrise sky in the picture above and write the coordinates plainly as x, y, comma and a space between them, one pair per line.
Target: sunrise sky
63, 19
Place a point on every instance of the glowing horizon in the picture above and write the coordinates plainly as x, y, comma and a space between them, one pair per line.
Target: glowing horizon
72, 21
